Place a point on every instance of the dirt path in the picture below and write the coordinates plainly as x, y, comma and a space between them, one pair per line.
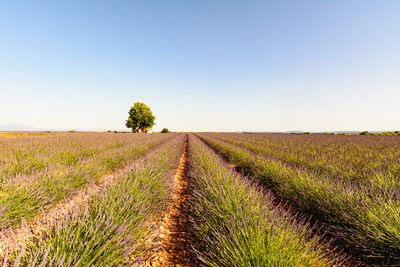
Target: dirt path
174, 247
14, 240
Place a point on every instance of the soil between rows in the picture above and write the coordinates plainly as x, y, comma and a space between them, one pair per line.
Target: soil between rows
174, 249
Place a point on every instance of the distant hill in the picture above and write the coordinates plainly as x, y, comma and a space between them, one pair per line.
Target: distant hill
23, 127
20, 127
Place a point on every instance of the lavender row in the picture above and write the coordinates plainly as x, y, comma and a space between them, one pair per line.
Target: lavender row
25, 195
116, 226
354, 158
32, 154
364, 217
233, 223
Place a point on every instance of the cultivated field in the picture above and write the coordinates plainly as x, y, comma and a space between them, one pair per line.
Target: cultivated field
207, 199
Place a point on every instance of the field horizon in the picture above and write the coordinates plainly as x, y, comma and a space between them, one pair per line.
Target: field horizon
15, 127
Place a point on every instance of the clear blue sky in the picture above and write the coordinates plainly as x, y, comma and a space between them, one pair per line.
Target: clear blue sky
202, 65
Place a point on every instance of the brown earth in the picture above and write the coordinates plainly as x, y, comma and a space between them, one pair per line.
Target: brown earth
174, 238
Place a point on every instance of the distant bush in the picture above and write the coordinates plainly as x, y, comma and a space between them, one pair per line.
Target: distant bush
389, 133
115, 131
165, 130
381, 133
72, 131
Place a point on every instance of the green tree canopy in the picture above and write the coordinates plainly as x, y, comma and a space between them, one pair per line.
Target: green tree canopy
140, 119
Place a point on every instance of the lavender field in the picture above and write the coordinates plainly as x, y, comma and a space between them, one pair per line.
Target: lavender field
349, 185
199, 199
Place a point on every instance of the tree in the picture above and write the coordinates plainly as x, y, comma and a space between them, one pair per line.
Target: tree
165, 130
140, 119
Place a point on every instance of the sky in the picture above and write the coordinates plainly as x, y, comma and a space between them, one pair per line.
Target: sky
202, 65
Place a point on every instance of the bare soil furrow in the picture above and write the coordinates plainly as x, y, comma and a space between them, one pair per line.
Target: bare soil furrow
174, 249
